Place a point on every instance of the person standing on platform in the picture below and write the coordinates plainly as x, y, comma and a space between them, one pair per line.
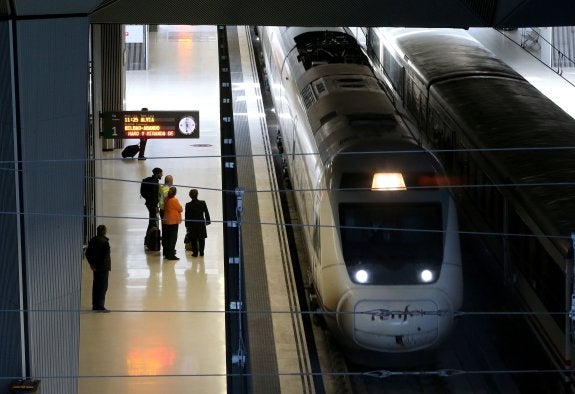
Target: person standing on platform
98, 256
171, 221
163, 193
149, 190
197, 218
143, 142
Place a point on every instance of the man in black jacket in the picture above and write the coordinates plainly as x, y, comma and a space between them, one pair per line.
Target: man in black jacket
149, 191
98, 256
197, 218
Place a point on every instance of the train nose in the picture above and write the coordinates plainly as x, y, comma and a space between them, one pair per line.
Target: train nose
396, 326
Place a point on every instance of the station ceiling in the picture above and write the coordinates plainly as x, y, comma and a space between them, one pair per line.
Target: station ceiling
405, 13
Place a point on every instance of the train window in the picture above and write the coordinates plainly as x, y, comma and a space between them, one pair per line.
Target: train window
395, 71
308, 96
386, 60
373, 48
319, 87
394, 243
412, 97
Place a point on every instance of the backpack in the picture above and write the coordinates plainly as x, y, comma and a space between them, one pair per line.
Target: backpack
147, 188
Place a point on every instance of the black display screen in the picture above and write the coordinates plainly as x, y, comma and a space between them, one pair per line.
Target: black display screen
151, 124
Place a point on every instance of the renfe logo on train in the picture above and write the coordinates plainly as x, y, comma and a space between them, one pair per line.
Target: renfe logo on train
151, 124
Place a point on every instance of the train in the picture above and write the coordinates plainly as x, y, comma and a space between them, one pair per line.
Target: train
510, 147
379, 221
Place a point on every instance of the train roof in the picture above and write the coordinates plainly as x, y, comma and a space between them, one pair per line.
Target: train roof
461, 54
501, 113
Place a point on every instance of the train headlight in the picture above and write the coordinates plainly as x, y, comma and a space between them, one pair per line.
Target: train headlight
388, 181
426, 276
361, 276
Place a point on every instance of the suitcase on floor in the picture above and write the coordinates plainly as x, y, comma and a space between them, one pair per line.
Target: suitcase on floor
153, 238
130, 151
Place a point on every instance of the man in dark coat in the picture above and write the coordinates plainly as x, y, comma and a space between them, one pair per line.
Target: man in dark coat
98, 256
149, 190
197, 217
143, 142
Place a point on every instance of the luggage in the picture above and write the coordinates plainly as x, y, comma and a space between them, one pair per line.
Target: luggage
130, 151
153, 238
187, 242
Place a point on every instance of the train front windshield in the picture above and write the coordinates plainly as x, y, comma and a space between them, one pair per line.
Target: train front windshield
392, 243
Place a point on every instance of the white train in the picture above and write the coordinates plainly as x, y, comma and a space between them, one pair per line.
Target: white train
380, 228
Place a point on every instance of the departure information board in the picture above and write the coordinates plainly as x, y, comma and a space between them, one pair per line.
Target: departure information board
151, 124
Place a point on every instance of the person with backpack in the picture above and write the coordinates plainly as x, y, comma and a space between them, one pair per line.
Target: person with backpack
163, 193
149, 190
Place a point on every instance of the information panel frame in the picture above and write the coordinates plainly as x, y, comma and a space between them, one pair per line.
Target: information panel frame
150, 124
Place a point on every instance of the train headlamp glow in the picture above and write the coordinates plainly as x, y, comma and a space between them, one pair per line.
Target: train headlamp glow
426, 276
388, 181
361, 276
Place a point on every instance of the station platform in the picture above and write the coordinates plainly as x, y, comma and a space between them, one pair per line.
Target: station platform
506, 45
166, 329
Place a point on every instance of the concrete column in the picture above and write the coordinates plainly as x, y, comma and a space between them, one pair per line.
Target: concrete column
49, 61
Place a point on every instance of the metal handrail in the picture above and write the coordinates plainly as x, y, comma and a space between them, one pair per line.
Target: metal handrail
560, 56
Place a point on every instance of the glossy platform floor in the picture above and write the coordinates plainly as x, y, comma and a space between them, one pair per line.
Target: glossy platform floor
152, 329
